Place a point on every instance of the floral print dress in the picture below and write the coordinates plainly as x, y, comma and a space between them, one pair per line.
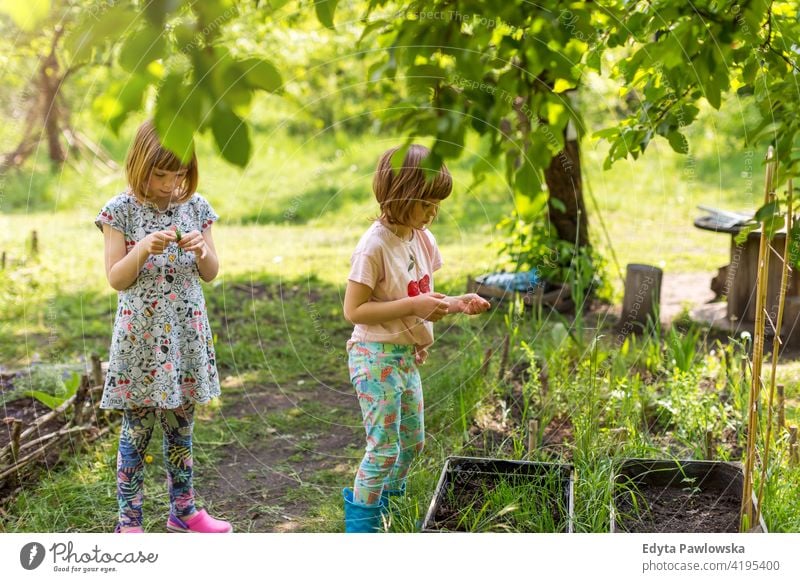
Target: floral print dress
162, 351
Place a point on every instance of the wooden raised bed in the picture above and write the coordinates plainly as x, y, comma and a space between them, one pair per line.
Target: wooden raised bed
660, 496
463, 497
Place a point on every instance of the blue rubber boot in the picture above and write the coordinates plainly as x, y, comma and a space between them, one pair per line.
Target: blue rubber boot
361, 518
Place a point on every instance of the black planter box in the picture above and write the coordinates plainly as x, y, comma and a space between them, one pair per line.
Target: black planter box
677, 496
460, 471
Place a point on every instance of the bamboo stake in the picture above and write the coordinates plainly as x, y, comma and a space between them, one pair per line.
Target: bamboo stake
776, 344
781, 408
758, 351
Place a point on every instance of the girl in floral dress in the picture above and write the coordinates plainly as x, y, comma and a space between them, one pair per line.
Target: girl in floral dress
158, 246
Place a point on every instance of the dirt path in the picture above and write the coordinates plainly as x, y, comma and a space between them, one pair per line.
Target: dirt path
270, 483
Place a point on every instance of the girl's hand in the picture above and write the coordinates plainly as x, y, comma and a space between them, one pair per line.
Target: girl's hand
193, 241
430, 306
420, 354
472, 304
156, 242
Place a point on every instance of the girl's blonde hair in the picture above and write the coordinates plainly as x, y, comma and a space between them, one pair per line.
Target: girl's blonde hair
397, 191
147, 154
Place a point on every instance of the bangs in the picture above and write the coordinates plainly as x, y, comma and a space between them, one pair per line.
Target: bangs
166, 160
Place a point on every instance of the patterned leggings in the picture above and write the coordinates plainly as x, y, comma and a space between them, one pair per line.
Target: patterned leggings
137, 428
389, 391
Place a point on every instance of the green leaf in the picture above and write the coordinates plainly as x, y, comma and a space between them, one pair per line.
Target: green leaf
262, 74
768, 210
141, 48
678, 142
157, 11
399, 156
51, 402
231, 134
95, 30
325, 10
557, 204
174, 128
26, 14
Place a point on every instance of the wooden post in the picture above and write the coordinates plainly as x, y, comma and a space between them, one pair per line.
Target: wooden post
781, 408
80, 396
793, 457
34, 243
709, 445
16, 430
642, 297
3, 261
504, 358
97, 370
487, 356
533, 436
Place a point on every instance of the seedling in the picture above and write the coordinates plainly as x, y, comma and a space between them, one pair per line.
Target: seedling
178, 235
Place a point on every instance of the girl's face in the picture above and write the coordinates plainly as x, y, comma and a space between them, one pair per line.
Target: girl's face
423, 213
164, 183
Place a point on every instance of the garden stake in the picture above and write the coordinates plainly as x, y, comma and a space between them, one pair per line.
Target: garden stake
776, 344
709, 445
485, 366
781, 408
533, 436
34, 243
97, 370
504, 358
758, 351
3, 261
793, 446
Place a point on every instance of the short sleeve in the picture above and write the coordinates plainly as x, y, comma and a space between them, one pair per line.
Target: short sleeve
436, 256
114, 214
365, 269
206, 213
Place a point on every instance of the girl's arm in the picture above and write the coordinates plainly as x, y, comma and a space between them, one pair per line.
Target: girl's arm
208, 263
359, 309
122, 268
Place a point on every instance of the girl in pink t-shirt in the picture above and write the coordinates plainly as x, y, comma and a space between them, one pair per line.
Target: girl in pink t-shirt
391, 300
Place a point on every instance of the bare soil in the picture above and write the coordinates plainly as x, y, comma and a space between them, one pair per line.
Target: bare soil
677, 510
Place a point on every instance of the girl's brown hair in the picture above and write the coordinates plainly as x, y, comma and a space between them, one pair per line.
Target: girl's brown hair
147, 154
397, 191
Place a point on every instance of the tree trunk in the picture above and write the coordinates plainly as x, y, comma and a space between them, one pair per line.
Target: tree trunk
563, 178
49, 86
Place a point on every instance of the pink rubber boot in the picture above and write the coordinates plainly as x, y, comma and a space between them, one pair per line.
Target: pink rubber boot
134, 529
200, 522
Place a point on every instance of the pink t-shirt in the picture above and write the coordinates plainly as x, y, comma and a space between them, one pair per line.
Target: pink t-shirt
394, 269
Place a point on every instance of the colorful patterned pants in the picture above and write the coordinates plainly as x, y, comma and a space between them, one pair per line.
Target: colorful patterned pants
389, 391
137, 428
